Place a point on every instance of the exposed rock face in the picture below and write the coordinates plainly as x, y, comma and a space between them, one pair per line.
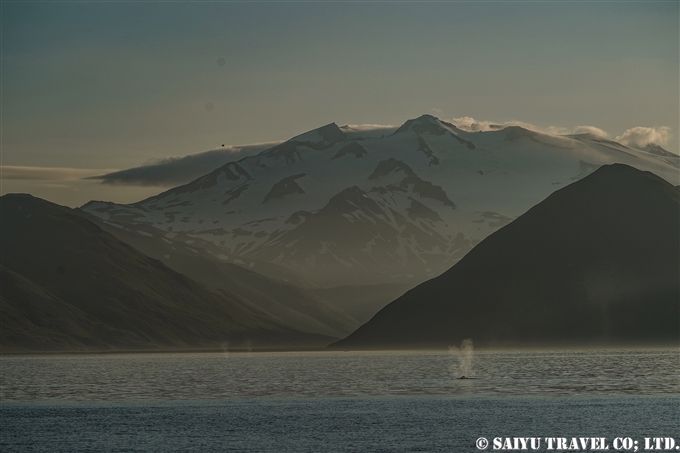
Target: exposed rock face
353, 148
287, 186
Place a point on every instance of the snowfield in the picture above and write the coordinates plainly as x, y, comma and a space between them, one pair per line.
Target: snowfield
339, 205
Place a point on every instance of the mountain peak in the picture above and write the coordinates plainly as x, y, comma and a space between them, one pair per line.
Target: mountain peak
424, 123
519, 130
331, 133
513, 133
324, 135
426, 117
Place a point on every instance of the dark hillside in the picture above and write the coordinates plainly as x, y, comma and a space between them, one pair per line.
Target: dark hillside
596, 263
68, 283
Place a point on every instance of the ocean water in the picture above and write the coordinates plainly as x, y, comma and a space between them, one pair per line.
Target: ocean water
334, 401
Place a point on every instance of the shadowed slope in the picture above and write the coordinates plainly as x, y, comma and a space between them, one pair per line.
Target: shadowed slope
57, 265
297, 307
597, 262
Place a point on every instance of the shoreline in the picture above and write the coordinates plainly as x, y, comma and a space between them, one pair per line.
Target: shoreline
546, 348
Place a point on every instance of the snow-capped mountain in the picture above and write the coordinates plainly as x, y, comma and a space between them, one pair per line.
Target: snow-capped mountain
346, 206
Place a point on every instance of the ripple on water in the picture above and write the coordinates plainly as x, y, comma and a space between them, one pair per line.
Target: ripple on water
204, 376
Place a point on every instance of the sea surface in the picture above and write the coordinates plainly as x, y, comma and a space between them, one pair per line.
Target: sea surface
334, 401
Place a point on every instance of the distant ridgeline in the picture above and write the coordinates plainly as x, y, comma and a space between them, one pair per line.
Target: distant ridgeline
297, 246
343, 206
596, 263
69, 285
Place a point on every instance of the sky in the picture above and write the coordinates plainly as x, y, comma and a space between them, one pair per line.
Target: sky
94, 87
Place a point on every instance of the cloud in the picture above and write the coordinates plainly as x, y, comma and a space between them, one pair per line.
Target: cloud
469, 124
180, 170
554, 130
48, 173
639, 137
636, 137
368, 130
596, 131
370, 127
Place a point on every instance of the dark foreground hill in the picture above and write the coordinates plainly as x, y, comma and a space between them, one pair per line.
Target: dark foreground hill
596, 263
67, 285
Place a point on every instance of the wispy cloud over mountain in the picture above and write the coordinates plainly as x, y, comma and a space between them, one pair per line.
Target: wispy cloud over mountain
372, 127
179, 170
48, 173
174, 171
596, 131
642, 136
469, 124
636, 137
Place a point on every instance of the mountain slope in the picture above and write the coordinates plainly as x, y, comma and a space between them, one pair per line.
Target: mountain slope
297, 307
597, 262
33, 319
341, 206
362, 301
59, 265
